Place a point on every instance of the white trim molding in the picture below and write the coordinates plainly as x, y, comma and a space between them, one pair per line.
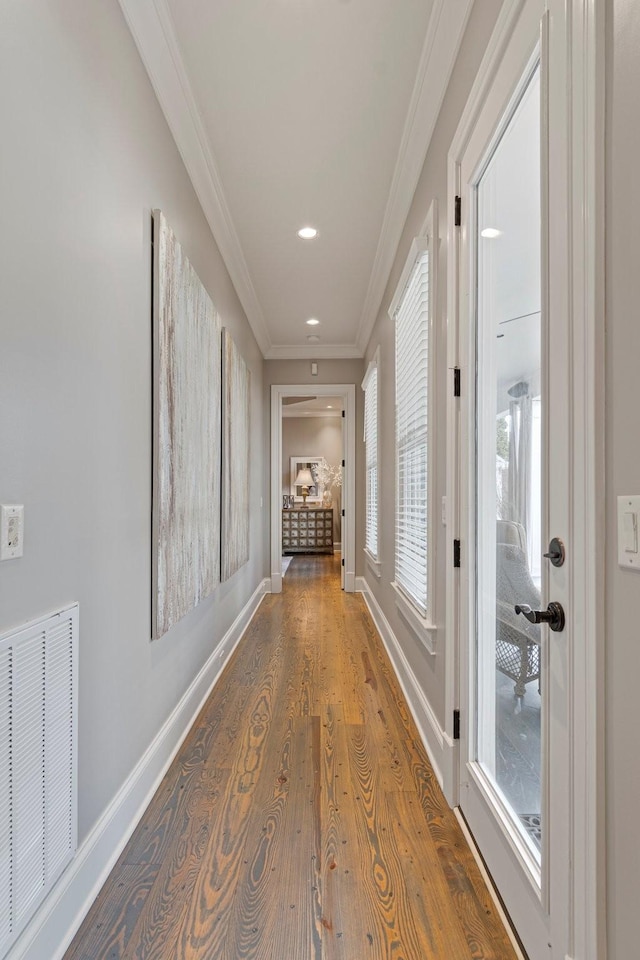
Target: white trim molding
153, 31
423, 629
374, 565
316, 351
372, 507
441, 748
347, 391
54, 925
587, 41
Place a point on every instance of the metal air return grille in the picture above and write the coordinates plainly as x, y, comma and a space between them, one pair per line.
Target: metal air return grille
38, 806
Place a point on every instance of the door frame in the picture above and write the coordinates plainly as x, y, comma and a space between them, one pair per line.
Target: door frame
580, 60
347, 392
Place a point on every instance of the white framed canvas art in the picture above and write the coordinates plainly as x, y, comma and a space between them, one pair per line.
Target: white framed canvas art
186, 436
236, 385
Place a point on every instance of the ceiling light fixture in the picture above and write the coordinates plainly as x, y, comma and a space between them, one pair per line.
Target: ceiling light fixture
490, 233
312, 322
307, 233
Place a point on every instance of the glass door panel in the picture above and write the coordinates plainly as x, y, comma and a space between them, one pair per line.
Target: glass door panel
509, 488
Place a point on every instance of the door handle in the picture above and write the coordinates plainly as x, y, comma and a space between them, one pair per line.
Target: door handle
553, 615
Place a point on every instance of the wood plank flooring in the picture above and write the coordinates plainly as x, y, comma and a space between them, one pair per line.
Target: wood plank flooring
301, 819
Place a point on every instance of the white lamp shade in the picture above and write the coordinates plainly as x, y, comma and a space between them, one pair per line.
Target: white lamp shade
304, 478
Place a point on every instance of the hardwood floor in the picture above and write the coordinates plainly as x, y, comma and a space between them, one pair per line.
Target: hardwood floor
301, 819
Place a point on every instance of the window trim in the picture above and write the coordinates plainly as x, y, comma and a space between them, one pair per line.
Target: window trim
372, 559
423, 626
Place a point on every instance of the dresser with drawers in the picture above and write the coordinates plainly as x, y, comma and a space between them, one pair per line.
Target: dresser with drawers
307, 531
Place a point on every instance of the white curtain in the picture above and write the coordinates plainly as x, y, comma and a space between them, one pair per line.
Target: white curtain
520, 450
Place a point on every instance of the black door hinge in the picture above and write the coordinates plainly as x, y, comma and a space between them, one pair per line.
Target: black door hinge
343, 463
456, 553
456, 381
458, 212
343, 413
456, 724
343, 513
343, 561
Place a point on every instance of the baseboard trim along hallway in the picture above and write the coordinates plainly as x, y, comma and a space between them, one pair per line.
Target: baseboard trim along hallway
54, 925
440, 747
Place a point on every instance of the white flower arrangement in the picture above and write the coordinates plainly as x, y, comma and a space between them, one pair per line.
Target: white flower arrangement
327, 475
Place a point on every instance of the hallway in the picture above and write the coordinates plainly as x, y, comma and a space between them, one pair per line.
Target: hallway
300, 818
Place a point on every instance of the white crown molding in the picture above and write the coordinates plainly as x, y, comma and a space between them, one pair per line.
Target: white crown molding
505, 23
315, 351
153, 31
446, 27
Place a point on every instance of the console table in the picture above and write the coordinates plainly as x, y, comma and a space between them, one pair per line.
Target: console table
307, 530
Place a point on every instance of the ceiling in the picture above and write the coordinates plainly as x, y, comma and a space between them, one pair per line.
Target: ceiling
312, 407
302, 112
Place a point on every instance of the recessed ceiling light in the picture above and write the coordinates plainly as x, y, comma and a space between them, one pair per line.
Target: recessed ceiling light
329, 407
490, 233
307, 233
312, 322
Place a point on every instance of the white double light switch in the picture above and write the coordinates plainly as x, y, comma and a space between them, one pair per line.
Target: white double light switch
628, 519
11, 531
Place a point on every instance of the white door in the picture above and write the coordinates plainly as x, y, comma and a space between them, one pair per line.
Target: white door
515, 489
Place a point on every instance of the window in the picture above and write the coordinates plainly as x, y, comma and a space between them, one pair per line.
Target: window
412, 313
370, 387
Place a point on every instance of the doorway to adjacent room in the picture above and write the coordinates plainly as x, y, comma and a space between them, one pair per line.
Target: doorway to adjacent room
312, 490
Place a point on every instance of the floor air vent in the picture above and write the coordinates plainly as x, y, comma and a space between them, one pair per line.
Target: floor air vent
38, 810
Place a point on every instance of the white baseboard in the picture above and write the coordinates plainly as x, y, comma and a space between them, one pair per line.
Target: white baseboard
441, 749
275, 582
55, 923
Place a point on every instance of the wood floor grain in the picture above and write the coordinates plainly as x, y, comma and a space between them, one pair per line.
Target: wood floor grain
300, 819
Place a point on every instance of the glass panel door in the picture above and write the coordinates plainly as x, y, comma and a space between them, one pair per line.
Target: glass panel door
509, 488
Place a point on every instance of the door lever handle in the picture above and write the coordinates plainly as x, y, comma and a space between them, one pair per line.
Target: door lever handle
553, 615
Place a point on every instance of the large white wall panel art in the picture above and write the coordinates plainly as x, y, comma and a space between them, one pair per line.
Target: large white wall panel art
187, 434
236, 380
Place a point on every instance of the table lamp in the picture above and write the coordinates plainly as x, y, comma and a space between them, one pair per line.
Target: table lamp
304, 480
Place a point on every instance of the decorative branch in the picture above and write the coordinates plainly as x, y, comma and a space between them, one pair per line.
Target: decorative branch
327, 474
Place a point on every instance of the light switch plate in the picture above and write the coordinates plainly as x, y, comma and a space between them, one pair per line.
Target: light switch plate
11, 531
629, 532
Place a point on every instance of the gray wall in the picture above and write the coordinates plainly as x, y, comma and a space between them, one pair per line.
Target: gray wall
329, 371
86, 156
623, 472
432, 185
317, 436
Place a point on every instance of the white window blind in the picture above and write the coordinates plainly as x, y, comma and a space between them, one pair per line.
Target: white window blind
412, 423
371, 459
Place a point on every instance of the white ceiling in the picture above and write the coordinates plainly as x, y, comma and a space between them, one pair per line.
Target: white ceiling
294, 112
312, 407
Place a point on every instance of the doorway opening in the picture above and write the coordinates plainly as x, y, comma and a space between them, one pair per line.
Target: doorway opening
312, 477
